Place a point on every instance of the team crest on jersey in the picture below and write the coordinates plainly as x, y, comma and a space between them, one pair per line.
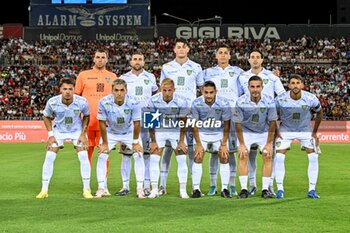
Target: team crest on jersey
126, 111
266, 81
304, 107
262, 110
217, 111
231, 73
278, 144
174, 109
189, 72
76, 111
107, 79
146, 81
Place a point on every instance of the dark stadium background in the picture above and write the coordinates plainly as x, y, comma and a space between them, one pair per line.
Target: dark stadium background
242, 12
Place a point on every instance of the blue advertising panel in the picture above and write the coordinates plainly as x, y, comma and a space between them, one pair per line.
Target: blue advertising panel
61, 15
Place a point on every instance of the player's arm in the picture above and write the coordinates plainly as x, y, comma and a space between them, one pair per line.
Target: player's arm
136, 144
182, 145
153, 145
103, 148
83, 138
317, 125
48, 125
199, 151
242, 149
272, 121
223, 147
270, 138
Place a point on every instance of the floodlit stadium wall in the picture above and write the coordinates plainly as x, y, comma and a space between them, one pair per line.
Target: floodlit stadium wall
35, 131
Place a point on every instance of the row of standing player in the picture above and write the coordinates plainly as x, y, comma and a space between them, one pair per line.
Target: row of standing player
231, 82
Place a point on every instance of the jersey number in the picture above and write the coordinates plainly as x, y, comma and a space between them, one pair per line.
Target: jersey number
181, 81
255, 117
120, 120
224, 83
138, 91
100, 87
68, 120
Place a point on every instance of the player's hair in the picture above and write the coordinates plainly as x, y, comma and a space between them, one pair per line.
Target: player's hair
167, 81
295, 76
69, 80
137, 53
209, 84
101, 51
223, 46
119, 81
255, 78
181, 40
257, 51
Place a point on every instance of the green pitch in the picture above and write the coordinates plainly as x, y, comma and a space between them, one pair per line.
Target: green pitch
66, 211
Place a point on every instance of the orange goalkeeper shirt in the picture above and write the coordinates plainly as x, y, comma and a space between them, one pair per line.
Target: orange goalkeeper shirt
94, 84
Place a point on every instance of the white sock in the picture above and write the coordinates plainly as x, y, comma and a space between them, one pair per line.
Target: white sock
225, 175
154, 170
101, 170
213, 168
233, 169
125, 170
47, 170
85, 169
165, 165
265, 182
252, 167
182, 171
312, 170
147, 183
190, 152
139, 168
279, 170
243, 180
196, 175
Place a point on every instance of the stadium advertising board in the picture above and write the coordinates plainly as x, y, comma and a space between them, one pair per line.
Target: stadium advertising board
80, 34
253, 31
35, 131
89, 15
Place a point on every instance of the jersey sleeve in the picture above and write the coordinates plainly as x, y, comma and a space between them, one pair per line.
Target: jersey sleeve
272, 111
136, 113
237, 114
154, 83
48, 111
101, 112
79, 86
226, 112
315, 104
194, 111
279, 88
184, 109
162, 75
199, 78
85, 108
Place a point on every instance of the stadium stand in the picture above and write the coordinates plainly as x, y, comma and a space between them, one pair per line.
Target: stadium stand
30, 71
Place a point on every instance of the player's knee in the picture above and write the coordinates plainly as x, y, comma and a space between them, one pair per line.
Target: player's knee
198, 159
267, 158
223, 160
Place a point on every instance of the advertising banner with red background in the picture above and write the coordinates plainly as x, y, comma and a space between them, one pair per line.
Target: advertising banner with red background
35, 131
